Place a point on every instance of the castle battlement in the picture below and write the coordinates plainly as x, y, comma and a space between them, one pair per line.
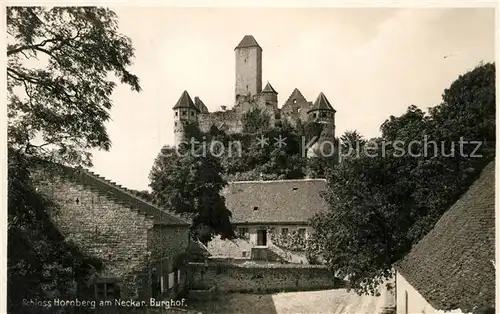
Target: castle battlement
249, 95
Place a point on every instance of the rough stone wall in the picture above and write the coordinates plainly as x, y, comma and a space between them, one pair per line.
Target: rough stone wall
167, 244
229, 120
102, 228
248, 71
292, 112
238, 278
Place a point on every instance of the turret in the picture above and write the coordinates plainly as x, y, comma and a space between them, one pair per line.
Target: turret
322, 112
185, 111
270, 95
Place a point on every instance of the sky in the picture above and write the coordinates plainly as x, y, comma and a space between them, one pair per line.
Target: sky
369, 62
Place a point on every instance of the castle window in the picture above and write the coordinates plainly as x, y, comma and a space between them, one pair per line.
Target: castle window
323, 114
176, 113
175, 123
314, 115
192, 112
255, 208
183, 112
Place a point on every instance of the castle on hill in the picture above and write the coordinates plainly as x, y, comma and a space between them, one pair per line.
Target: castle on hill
249, 95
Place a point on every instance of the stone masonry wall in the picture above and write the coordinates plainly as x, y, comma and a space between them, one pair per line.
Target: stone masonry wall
260, 278
102, 228
230, 119
167, 245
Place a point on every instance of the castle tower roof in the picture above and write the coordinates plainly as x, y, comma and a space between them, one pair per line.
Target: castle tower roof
185, 102
269, 89
200, 105
247, 42
321, 103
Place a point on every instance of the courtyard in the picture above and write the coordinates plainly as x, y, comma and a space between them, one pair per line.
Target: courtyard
336, 301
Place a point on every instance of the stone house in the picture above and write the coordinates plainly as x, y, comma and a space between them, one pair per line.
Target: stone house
452, 269
271, 219
142, 248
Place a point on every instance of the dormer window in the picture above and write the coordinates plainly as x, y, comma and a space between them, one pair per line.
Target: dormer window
295, 101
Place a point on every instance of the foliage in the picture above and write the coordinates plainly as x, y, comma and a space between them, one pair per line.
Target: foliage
188, 180
57, 77
255, 121
293, 240
384, 201
59, 62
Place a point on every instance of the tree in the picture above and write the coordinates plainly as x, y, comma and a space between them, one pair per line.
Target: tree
58, 66
255, 121
352, 143
385, 201
188, 180
57, 78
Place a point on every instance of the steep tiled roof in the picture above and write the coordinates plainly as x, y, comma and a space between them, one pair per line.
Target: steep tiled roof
322, 103
117, 193
269, 89
452, 266
296, 95
248, 41
200, 105
185, 101
290, 201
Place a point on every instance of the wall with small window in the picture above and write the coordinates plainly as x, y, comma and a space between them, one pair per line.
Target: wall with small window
125, 240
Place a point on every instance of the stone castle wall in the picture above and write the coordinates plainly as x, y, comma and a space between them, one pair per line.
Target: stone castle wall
260, 278
228, 121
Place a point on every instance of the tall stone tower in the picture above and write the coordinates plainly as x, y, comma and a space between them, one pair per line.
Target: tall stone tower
185, 111
248, 67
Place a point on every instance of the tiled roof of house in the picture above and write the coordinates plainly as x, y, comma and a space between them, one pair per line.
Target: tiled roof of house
185, 101
453, 266
119, 194
289, 201
248, 41
322, 103
269, 89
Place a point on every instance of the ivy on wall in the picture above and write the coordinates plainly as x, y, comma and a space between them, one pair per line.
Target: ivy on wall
292, 240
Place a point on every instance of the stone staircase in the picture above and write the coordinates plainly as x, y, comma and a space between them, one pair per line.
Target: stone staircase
283, 256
